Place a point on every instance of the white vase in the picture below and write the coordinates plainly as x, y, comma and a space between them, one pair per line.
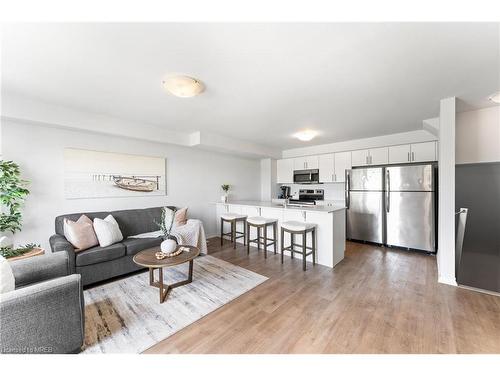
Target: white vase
168, 246
223, 198
6, 241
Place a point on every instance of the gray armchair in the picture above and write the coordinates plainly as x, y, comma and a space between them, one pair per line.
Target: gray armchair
45, 313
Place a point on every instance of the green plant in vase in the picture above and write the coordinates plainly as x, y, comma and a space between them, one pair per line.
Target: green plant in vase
13, 193
225, 189
166, 224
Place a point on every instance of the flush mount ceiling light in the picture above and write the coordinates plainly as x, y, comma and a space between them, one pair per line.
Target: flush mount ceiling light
183, 86
495, 97
305, 135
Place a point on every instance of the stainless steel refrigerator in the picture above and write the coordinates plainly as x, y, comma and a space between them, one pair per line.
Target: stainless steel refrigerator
395, 206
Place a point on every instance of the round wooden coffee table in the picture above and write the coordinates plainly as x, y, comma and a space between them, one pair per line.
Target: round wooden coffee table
148, 259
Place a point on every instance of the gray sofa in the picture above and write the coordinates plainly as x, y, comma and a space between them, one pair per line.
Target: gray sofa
45, 313
101, 263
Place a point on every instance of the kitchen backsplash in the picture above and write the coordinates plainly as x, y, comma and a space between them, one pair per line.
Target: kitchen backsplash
333, 192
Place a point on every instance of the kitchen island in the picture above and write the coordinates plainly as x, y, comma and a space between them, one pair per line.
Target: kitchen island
329, 220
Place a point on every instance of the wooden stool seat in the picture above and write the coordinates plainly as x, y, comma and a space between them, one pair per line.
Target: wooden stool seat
261, 223
302, 229
233, 219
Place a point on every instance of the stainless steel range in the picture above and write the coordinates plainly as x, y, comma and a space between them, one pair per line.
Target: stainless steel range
308, 197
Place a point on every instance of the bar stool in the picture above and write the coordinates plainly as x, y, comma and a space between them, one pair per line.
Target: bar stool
261, 223
233, 219
294, 228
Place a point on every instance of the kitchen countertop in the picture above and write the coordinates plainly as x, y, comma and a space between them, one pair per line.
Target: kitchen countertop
269, 204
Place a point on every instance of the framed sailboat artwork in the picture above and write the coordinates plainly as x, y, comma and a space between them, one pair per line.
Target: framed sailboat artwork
98, 174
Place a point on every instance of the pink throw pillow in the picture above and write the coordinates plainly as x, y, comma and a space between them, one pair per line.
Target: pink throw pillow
80, 233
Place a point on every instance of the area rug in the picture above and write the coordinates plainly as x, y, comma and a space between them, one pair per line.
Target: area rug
125, 316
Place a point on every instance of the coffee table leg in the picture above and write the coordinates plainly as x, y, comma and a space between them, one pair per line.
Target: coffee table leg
163, 294
190, 275
165, 289
151, 276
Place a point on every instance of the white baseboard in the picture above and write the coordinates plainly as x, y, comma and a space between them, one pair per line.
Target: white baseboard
479, 290
447, 280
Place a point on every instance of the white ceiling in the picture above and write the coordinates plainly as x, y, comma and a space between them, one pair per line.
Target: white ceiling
264, 81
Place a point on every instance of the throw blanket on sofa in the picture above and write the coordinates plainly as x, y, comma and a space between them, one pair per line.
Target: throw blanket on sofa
191, 233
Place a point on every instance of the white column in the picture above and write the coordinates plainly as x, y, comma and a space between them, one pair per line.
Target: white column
446, 221
268, 179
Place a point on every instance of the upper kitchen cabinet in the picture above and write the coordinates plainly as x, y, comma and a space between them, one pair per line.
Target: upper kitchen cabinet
360, 157
326, 168
399, 154
312, 162
413, 153
425, 151
373, 156
342, 162
306, 162
284, 171
379, 155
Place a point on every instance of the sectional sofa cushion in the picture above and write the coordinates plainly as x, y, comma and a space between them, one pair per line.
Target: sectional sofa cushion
99, 254
7, 281
107, 231
80, 233
134, 245
138, 221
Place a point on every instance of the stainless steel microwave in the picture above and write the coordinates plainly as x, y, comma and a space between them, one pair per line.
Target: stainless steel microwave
306, 176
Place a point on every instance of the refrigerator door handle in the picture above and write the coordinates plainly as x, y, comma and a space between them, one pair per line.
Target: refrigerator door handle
347, 188
387, 190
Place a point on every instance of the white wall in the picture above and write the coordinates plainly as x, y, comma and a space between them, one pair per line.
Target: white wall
193, 176
446, 205
478, 136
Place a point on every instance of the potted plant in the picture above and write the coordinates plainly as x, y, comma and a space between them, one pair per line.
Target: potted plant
169, 243
13, 193
225, 188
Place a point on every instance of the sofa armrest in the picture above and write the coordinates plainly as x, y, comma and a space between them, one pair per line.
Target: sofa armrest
40, 268
47, 317
60, 243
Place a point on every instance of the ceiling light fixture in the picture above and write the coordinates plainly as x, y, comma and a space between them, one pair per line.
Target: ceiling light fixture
183, 86
305, 135
495, 97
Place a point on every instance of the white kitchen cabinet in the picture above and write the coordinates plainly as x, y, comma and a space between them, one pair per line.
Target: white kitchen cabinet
312, 162
399, 154
372, 156
379, 156
425, 151
360, 157
326, 168
306, 162
299, 163
342, 162
284, 171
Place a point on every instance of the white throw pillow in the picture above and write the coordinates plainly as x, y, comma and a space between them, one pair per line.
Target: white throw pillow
7, 282
107, 231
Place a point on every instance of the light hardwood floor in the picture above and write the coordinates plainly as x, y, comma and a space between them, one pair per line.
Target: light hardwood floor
375, 301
